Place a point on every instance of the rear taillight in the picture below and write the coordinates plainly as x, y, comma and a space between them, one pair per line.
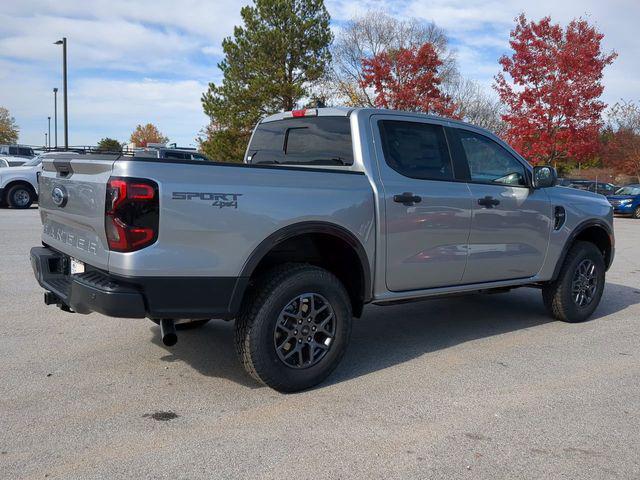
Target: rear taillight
131, 213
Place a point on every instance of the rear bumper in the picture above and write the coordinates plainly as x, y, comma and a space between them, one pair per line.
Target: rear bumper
134, 297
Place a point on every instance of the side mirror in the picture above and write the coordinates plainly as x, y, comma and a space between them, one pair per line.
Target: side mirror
544, 176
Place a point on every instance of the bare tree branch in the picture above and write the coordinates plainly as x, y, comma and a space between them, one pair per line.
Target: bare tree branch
376, 31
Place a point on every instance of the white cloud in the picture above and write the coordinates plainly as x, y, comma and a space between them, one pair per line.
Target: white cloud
173, 106
114, 48
108, 45
100, 107
208, 19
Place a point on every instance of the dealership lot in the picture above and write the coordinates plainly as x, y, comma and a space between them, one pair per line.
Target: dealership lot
484, 386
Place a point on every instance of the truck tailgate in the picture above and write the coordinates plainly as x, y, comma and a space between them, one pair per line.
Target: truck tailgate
72, 206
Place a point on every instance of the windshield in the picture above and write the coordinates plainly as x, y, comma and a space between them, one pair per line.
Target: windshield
629, 190
33, 162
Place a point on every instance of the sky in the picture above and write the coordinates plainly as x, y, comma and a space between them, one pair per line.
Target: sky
134, 62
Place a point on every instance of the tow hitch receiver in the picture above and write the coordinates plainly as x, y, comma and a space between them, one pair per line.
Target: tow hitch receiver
51, 298
168, 332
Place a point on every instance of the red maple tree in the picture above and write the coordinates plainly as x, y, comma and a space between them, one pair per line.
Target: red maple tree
553, 107
622, 152
407, 79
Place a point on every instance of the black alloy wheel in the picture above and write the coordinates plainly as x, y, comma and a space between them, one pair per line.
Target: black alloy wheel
305, 330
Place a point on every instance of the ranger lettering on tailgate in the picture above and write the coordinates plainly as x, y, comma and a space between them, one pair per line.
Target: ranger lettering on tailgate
70, 238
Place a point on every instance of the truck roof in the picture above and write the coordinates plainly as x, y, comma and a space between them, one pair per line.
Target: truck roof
342, 111
312, 112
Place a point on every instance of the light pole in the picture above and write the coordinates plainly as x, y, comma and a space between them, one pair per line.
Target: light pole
55, 115
63, 42
45, 140
49, 120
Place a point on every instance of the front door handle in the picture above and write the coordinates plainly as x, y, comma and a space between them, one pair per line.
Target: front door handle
407, 199
488, 202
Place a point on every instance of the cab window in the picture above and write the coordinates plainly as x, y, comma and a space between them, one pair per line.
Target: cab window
489, 162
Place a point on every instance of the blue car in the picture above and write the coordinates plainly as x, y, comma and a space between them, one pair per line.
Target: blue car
626, 201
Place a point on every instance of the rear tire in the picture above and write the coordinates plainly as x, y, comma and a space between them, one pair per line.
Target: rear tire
20, 196
577, 291
294, 329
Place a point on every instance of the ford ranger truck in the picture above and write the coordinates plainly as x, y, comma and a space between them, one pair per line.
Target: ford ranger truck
332, 209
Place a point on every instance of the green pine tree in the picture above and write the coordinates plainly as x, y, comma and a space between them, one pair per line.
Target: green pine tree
109, 145
269, 64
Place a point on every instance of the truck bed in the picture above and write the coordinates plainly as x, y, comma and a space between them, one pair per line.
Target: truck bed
212, 215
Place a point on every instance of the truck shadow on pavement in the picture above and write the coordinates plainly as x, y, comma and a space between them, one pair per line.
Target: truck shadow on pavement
387, 336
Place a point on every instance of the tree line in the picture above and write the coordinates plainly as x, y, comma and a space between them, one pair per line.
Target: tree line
141, 136
547, 96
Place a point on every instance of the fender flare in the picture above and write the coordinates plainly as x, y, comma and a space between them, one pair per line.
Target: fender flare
12, 180
572, 237
295, 230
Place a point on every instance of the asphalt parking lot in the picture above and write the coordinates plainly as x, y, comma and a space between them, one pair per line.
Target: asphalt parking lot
479, 387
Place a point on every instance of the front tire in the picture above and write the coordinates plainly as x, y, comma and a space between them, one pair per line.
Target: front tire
577, 291
636, 213
294, 329
20, 196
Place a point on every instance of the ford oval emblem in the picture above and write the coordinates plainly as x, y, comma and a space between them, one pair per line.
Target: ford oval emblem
59, 196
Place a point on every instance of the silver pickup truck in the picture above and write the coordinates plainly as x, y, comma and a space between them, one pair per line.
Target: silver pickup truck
332, 209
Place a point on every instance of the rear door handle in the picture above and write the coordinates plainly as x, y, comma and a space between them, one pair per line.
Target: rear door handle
488, 202
407, 199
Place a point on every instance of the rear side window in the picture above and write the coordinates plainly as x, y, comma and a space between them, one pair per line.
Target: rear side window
416, 150
303, 141
178, 155
267, 143
13, 150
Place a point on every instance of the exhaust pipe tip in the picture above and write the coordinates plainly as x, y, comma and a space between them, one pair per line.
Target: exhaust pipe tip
168, 332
